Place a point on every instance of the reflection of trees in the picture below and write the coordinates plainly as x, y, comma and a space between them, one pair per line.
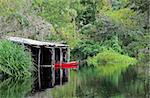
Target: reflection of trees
15, 88
131, 85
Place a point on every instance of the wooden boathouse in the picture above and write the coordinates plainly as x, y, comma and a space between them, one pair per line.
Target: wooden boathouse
47, 55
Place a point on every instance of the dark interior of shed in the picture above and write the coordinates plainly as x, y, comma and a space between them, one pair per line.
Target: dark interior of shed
46, 72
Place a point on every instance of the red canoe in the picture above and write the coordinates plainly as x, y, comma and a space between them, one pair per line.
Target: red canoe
72, 64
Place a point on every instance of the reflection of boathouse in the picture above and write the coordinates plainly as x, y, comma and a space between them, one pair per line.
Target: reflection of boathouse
46, 56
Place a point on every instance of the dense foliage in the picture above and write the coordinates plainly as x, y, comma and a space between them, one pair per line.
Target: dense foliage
119, 24
15, 87
110, 64
14, 60
88, 26
106, 35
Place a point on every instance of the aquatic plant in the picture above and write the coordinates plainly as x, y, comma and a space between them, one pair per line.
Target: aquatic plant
14, 60
111, 64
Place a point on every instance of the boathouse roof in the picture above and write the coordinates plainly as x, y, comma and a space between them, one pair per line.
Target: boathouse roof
35, 42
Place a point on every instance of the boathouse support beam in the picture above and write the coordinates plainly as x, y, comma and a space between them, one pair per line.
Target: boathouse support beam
53, 66
61, 61
39, 61
68, 60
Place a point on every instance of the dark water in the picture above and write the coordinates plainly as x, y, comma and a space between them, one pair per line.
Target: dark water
86, 83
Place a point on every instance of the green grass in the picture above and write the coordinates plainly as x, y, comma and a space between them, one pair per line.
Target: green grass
14, 60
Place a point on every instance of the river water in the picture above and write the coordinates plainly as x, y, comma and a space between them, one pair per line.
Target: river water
86, 83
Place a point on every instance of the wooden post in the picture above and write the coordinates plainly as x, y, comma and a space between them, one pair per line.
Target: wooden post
39, 76
61, 70
68, 60
53, 66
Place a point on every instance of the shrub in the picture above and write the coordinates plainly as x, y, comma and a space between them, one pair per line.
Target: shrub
14, 60
111, 64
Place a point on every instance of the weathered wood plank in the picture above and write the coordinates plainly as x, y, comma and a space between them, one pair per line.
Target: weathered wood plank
34, 42
46, 65
68, 60
61, 70
53, 66
39, 76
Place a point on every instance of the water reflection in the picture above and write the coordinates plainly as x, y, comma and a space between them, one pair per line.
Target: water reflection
87, 83
131, 85
15, 88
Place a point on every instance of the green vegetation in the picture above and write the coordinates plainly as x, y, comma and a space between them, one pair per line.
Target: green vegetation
111, 64
15, 87
109, 37
14, 60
